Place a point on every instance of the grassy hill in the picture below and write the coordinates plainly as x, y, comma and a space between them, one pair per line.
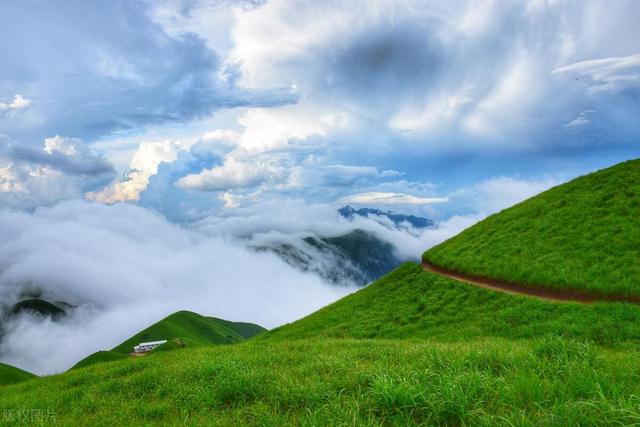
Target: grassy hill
191, 328
410, 303
412, 348
583, 235
194, 327
12, 375
100, 357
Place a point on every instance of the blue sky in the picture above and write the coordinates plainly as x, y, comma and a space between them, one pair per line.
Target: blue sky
198, 108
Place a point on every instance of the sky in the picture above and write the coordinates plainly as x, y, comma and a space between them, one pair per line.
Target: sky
194, 108
205, 120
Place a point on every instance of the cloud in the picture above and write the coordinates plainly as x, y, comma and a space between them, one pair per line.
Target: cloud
64, 168
581, 120
18, 103
613, 74
96, 69
231, 175
494, 194
143, 165
126, 267
379, 198
336, 175
407, 65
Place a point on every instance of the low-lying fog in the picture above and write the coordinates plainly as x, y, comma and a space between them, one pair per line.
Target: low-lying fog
125, 267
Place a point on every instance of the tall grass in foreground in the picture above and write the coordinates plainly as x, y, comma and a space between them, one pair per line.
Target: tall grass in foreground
547, 381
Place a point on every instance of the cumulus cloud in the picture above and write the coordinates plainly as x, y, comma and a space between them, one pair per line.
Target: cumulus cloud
231, 175
125, 267
64, 168
95, 69
426, 90
144, 164
18, 103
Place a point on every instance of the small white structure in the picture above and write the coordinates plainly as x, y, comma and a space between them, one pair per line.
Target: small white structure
143, 347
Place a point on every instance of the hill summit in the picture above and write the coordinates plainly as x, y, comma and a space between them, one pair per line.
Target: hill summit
582, 236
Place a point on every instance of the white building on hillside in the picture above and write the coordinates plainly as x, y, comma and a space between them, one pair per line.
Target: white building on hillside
143, 347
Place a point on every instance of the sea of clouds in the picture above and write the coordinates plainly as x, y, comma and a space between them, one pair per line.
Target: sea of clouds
125, 267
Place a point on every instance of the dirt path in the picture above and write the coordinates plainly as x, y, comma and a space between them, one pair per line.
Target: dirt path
517, 289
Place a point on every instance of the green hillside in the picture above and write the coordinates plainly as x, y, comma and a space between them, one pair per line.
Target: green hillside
194, 327
410, 303
412, 348
583, 235
12, 375
99, 357
190, 328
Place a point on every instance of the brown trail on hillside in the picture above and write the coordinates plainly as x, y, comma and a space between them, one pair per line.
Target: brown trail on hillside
519, 289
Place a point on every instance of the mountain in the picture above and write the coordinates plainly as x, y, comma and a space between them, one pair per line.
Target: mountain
580, 236
193, 327
358, 257
38, 306
398, 219
413, 348
12, 375
189, 328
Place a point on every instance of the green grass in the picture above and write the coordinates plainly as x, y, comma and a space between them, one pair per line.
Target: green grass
191, 328
411, 348
12, 375
582, 235
547, 381
100, 357
410, 303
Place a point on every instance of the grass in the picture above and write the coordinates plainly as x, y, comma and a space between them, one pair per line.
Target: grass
410, 303
582, 235
12, 375
100, 357
412, 348
546, 381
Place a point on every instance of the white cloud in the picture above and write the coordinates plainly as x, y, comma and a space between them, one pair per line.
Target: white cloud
64, 168
144, 164
18, 103
581, 120
231, 175
495, 194
270, 129
379, 198
126, 267
615, 73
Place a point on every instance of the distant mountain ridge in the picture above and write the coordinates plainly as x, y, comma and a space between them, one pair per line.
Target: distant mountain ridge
416, 221
358, 257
